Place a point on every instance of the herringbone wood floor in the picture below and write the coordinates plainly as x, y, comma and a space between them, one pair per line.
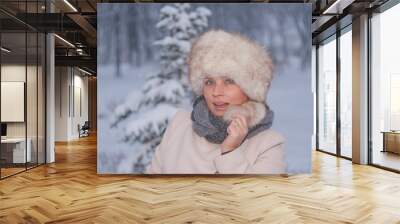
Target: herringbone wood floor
70, 191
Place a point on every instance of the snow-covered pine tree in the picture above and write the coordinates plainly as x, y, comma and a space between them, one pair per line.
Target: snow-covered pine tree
165, 91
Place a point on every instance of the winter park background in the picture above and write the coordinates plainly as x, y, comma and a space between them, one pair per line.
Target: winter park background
143, 80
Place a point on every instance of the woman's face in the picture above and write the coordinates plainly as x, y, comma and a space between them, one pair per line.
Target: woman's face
221, 92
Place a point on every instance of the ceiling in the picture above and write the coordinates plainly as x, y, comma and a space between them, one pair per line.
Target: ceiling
75, 22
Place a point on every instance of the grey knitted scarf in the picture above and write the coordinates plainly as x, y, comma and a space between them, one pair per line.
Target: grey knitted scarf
214, 128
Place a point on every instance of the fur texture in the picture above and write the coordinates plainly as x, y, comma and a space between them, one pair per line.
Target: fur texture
253, 111
218, 53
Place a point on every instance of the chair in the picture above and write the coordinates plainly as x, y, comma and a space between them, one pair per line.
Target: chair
84, 130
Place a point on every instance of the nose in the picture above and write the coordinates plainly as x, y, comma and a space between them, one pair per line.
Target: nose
218, 89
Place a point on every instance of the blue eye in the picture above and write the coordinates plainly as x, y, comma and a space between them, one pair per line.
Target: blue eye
208, 82
229, 81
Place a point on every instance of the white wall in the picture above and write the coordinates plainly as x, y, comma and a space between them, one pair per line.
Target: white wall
81, 89
33, 126
70, 83
17, 73
61, 103
10, 73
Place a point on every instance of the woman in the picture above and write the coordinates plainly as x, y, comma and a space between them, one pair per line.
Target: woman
228, 131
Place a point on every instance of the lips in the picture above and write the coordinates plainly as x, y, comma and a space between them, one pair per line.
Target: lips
220, 105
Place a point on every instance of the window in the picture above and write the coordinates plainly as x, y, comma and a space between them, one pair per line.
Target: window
327, 96
385, 88
22, 77
346, 93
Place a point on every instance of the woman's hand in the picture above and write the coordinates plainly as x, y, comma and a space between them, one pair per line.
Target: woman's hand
237, 131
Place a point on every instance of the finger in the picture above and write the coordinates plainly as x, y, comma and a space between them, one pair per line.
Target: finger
228, 130
231, 129
234, 129
241, 119
239, 127
240, 123
234, 122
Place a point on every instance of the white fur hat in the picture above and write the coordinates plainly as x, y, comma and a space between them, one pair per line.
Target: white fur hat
218, 53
